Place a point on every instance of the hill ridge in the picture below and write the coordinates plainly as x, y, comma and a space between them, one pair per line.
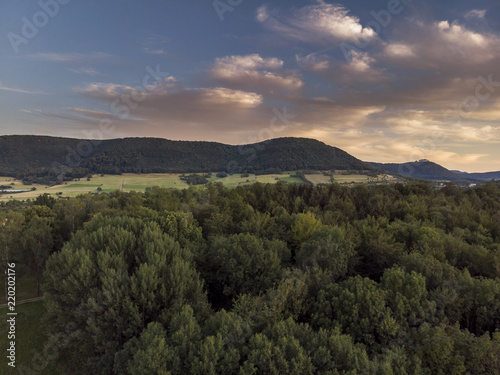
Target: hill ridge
429, 170
46, 158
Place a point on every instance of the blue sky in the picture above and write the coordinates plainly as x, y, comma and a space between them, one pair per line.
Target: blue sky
387, 81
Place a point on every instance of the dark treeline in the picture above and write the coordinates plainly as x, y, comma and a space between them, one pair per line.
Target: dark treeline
52, 160
267, 279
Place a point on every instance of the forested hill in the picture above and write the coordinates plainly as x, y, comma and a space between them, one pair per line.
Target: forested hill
36, 157
487, 176
423, 169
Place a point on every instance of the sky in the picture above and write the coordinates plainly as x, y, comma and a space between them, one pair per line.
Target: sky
386, 81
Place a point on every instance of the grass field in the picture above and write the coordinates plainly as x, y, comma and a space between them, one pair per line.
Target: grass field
31, 355
359, 178
318, 178
25, 287
107, 183
237, 180
139, 182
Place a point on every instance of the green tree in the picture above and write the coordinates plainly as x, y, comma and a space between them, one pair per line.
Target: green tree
243, 263
304, 226
277, 351
407, 297
359, 307
151, 354
109, 282
37, 243
376, 247
70, 216
436, 348
327, 249
11, 225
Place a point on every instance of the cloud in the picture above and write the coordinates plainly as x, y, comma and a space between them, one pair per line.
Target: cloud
262, 14
166, 110
432, 125
224, 96
170, 110
476, 13
178, 111
31, 111
62, 116
320, 23
389, 102
458, 35
399, 50
314, 62
21, 91
401, 151
255, 72
371, 134
90, 112
361, 68
168, 92
361, 62
327, 113
73, 58
445, 45
406, 98
155, 45
155, 51
416, 62
87, 71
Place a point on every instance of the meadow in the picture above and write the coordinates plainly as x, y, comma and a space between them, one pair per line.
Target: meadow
139, 182
32, 356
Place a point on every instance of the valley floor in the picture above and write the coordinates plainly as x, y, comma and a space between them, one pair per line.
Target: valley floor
139, 182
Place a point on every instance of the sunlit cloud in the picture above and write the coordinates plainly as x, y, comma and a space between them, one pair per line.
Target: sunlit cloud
256, 72
320, 23
443, 44
399, 51
169, 91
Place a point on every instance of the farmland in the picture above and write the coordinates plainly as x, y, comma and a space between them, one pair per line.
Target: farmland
139, 182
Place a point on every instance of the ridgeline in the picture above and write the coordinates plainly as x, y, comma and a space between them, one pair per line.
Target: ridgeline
44, 159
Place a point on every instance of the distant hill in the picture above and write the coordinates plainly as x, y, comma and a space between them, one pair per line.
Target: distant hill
487, 176
43, 159
423, 169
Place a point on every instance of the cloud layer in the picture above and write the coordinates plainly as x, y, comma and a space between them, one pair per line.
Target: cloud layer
421, 88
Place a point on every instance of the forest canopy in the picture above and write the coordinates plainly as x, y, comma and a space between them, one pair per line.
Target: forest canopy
267, 279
